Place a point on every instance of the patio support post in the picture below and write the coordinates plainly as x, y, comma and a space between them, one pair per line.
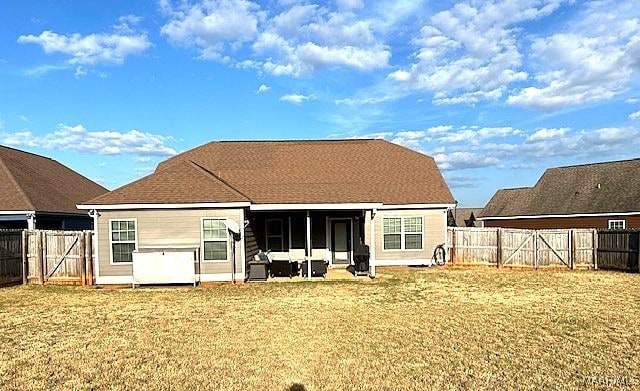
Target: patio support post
308, 243
372, 248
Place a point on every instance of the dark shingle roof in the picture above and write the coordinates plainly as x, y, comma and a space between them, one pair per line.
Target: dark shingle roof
464, 214
609, 187
301, 172
31, 182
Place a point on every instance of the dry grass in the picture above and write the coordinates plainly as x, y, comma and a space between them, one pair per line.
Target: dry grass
410, 329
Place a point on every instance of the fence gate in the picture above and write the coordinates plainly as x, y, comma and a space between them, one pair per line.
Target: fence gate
62, 257
553, 248
517, 247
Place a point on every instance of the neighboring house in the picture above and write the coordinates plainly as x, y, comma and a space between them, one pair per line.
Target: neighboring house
299, 199
464, 217
599, 195
37, 192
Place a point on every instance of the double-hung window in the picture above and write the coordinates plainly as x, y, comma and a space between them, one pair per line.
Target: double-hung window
214, 240
617, 224
402, 233
123, 240
274, 235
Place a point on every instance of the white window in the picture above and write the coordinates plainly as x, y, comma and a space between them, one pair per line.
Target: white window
402, 233
122, 234
274, 235
617, 224
214, 240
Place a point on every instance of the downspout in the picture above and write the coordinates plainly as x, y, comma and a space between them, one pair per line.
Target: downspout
96, 264
31, 221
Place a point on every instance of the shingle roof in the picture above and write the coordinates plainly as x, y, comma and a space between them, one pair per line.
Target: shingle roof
301, 172
608, 187
32, 182
184, 182
464, 214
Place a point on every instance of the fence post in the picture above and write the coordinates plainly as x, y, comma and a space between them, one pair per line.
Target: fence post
452, 253
572, 249
83, 266
25, 260
595, 249
536, 261
39, 262
498, 247
89, 256
638, 249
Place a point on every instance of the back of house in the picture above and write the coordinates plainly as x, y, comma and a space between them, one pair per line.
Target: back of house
302, 200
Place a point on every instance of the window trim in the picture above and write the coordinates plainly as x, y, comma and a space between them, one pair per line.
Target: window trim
623, 221
403, 234
135, 242
267, 236
202, 241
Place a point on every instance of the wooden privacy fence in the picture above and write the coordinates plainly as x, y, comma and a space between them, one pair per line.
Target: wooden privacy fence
10, 257
619, 250
58, 257
505, 247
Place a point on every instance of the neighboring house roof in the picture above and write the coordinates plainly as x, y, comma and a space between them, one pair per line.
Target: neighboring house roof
466, 216
32, 182
608, 187
294, 172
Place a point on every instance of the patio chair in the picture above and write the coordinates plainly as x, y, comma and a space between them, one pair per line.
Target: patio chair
282, 268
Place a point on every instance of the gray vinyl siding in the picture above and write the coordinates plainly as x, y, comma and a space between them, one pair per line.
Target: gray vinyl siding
166, 227
434, 225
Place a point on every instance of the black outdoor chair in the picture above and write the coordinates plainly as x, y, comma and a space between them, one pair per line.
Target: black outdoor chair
318, 268
283, 268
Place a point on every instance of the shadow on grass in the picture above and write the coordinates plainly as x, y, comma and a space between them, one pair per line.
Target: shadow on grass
297, 387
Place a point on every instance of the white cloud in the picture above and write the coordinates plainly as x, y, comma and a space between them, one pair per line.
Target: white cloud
475, 134
545, 134
296, 98
594, 60
439, 129
464, 160
634, 116
43, 69
126, 24
78, 139
24, 118
263, 88
296, 40
80, 72
212, 26
90, 49
470, 53
361, 101
411, 139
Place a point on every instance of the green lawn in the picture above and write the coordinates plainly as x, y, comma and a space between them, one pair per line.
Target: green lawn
409, 329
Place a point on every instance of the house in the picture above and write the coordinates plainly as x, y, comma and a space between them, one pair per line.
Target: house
464, 217
299, 199
599, 195
39, 193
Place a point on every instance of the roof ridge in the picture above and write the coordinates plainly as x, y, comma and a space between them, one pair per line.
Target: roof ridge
199, 167
15, 183
593, 164
27, 152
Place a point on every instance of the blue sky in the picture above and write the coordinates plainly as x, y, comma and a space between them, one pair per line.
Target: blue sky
495, 91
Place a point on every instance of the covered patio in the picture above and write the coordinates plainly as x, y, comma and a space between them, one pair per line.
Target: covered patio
310, 235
